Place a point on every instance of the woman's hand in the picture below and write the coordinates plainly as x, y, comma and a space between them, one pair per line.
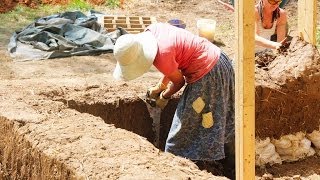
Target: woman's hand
154, 92
161, 101
277, 45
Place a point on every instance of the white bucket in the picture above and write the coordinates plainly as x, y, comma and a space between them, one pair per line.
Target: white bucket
206, 28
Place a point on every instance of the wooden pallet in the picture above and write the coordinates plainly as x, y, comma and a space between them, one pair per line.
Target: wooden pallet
132, 24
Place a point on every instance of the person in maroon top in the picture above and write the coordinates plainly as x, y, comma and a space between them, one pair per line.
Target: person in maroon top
203, 123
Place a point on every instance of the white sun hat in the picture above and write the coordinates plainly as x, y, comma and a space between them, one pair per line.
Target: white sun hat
135, 54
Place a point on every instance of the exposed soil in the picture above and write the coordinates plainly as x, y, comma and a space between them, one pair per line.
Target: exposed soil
67, 118
287, 91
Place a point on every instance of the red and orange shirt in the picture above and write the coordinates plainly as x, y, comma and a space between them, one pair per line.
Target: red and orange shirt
179, 49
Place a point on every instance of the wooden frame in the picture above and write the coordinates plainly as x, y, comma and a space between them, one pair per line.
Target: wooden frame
245, 78
245, 90
307, 20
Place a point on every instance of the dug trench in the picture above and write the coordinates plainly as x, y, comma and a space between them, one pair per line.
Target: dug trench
43, 137
134, 115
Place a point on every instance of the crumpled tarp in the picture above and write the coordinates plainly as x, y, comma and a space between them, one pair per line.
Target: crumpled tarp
62, 35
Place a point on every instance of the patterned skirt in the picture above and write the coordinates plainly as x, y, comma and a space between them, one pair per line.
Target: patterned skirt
204, 119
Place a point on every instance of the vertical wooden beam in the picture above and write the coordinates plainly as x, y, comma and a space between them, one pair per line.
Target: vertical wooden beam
307, 20
245, 90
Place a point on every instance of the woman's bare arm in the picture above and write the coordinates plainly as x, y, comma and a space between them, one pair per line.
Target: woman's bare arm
177, 80
282, 26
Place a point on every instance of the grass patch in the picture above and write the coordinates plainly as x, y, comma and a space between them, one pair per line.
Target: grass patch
21, 16
113, 3
80, 5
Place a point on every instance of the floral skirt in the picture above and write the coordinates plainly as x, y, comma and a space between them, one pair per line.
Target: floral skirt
204, 119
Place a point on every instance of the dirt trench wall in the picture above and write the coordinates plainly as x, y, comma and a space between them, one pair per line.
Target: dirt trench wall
130, 114
19, 160
41, 138
288, 92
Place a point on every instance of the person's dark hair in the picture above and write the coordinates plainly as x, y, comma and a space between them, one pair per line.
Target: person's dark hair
275, 13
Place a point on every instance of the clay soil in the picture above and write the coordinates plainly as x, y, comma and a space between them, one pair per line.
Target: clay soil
68, 119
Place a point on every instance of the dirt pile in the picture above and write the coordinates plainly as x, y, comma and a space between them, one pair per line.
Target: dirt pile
288, 91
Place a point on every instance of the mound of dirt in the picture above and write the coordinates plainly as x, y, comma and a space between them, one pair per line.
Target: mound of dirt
288, 91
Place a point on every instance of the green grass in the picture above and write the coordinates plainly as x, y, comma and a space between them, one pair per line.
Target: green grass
21, 16
113, 3
80, 5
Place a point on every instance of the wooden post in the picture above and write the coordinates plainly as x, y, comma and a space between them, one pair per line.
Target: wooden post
307, 20
245, 90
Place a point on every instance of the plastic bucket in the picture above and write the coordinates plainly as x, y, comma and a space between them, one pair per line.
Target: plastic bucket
178, 23
206, 28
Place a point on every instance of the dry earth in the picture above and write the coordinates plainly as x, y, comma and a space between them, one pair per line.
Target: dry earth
68, 119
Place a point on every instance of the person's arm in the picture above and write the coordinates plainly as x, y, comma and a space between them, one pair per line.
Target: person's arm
282, 26
154, 92
262, 41
164, 81
266, 43
177, 80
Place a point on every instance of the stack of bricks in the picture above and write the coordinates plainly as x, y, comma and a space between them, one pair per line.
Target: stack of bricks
132, 24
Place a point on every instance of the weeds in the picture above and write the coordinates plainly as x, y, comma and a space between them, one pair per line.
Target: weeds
113, 3
81, 5
20, 17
